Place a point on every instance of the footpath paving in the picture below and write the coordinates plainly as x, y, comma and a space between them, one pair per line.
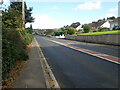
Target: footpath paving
32, 76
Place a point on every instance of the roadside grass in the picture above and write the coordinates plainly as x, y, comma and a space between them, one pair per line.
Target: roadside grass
99, 33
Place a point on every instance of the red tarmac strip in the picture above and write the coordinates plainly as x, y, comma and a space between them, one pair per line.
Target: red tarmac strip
97, 54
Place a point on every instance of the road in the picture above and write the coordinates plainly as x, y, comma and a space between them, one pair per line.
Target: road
75, 69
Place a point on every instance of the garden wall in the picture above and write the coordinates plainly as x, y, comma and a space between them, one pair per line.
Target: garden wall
112, 39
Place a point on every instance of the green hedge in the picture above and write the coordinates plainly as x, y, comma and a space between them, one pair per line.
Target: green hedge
14, 44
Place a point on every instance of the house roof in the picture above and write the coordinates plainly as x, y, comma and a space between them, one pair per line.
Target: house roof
97, 24
116, 20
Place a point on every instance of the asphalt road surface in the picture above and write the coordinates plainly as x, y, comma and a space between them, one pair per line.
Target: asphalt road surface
75, 69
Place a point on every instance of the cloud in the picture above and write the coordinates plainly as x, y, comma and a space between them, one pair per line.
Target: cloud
89, 6
44, 22
112, 12
54, 8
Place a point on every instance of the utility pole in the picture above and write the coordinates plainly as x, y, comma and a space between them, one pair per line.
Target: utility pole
23, 15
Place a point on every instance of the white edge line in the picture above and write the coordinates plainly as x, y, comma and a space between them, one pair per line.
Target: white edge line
50, 71
46, 80
86, 52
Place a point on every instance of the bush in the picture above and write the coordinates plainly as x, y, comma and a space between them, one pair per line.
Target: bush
115, 28
86, 28
57, 33
103, 29
71, 30
14, 44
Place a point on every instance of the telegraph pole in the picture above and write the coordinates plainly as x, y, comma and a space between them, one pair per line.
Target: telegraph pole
23, 15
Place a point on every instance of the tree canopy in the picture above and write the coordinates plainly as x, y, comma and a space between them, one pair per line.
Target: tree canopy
86, 28
14, 38
75, 25
28, 12
12, 17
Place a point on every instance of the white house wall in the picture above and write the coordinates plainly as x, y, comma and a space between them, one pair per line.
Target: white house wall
79, 27
106, 24
112, 24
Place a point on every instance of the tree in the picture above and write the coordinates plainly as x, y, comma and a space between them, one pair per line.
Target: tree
99, 20
75, 25
14, 39
11, 18
103, 29
57, 33
30, 29
115, 27
28, 12
14, 19
111, 18
71, 30
86, 28
49, 32
63, 30
103, 19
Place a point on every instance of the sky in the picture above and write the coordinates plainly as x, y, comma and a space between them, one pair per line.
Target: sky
56, 13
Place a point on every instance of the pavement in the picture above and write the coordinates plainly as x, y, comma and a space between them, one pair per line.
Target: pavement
32, 76
75, 69
71, 68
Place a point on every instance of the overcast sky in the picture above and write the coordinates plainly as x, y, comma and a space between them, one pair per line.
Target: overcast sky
56, 14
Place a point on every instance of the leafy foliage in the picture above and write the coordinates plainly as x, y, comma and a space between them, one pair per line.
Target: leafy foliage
115, 27
71, 30
86, 28
14, 38
28, 12
75, 25
102, 29
49, 32
111, 18
57, 33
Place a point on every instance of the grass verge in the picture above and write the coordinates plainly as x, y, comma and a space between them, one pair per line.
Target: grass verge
100, 33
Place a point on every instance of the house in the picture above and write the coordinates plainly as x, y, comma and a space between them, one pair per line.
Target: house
96, 25
76, 26
79, 28
115, 22
108, 24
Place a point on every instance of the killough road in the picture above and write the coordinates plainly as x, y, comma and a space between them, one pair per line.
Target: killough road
76, 69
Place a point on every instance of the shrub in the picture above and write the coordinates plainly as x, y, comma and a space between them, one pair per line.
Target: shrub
86, 28
57, 33
115, 28
71, 30
14, 44
103, 29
